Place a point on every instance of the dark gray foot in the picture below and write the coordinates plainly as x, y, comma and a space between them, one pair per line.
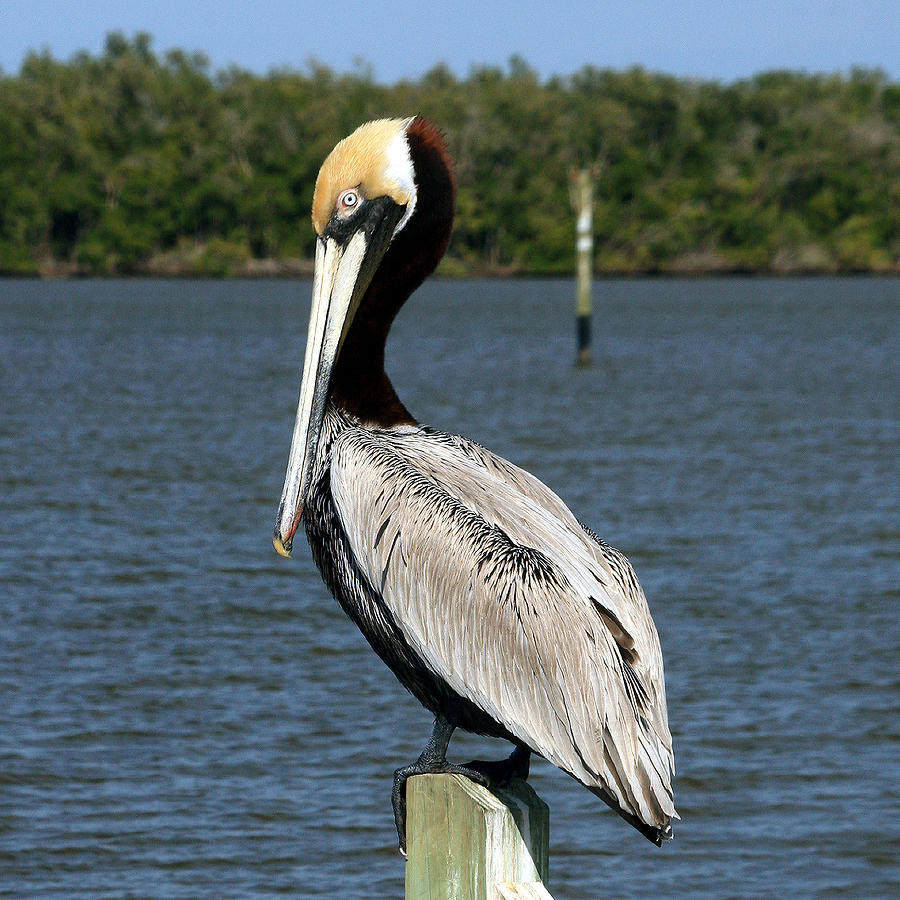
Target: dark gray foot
398, 796
501, 772
432, 761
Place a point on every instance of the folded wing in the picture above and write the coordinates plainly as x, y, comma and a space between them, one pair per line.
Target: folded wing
502, 593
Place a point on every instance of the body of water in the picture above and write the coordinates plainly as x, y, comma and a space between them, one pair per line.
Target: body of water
185, 714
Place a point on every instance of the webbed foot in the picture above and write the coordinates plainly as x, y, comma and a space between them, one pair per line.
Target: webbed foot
502, 771
424, 767
433, 761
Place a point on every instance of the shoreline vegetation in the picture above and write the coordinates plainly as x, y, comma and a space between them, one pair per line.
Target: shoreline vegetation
129, 163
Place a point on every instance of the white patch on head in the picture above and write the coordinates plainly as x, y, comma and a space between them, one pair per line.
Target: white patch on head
400, 170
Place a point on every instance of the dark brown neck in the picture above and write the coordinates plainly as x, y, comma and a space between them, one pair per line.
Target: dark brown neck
360, 385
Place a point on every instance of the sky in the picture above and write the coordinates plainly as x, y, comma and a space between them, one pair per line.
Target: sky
724, 40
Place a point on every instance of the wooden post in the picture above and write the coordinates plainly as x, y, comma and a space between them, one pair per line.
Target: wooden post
581, 191
465, 842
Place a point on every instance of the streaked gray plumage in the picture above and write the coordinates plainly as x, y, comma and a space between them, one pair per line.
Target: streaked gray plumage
484, 594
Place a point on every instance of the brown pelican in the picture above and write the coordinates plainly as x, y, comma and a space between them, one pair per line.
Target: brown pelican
472, 580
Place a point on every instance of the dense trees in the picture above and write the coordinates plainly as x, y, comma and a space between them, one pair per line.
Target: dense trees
130, 162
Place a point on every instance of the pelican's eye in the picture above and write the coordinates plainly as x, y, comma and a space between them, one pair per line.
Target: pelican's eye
348, 201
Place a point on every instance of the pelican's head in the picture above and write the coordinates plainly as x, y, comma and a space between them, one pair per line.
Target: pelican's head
365, 195
374, 163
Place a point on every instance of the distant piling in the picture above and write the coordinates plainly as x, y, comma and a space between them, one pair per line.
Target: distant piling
581, 192
465, 842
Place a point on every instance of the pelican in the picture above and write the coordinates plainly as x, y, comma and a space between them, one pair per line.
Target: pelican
471, 579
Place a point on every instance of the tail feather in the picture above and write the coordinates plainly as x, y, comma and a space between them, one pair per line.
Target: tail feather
657, 834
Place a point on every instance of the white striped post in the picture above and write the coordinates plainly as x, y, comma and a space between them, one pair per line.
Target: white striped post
582, 195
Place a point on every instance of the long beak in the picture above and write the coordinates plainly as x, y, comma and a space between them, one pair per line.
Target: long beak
343, 272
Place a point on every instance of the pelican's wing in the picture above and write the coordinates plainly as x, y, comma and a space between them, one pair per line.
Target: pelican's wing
528, 511
503, 595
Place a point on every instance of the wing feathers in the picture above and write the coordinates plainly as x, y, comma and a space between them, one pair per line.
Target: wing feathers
542, 638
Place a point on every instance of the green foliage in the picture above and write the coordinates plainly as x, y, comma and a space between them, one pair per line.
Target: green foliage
221, 257
130, 163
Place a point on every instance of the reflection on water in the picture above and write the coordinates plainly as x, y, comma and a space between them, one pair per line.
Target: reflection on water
185, 714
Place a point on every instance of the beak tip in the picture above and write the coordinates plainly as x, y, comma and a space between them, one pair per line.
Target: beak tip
283, 537
281, 548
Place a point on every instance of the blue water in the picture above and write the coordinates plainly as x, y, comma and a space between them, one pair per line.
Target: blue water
184, 714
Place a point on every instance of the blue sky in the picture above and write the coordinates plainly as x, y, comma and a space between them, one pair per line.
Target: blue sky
722, 39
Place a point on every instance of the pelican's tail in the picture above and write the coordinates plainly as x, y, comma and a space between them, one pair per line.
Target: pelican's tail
655, 833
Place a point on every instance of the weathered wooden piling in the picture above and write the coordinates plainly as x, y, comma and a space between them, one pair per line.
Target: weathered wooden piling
465, 842
581, 192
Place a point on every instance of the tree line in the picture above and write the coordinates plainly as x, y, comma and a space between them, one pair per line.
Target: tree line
131, 162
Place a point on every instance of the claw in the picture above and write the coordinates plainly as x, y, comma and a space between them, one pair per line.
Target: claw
433, 761
428, 767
